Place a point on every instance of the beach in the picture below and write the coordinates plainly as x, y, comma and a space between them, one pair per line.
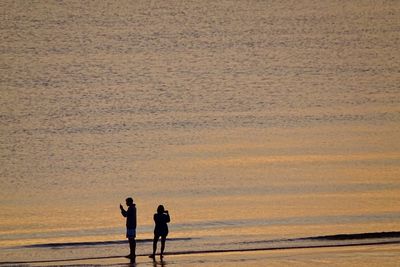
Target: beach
259, 125
364, 255
366, 249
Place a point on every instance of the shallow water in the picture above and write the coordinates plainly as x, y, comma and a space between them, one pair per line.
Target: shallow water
248, 120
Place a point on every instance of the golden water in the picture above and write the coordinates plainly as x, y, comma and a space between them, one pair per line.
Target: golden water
248, 120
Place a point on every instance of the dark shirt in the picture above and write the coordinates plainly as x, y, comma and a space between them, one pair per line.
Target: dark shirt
161, 221
130, 215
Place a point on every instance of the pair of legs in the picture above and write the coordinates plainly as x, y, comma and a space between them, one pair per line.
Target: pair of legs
132, 246
155, 240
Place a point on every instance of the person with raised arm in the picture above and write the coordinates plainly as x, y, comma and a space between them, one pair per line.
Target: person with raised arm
161, 218
130, 215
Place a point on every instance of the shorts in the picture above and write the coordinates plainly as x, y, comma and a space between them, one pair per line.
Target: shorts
130, 233
158, 233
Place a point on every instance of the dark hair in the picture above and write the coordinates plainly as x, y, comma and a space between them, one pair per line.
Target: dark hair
160, 209
129, 200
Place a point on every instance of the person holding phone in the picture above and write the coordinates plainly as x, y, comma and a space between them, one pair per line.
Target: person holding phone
130, 215
161, 218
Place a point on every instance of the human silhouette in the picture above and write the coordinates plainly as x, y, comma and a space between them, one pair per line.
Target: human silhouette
161, 218
130, 215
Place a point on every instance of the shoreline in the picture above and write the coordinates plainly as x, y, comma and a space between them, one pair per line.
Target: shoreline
201, 252
337, 237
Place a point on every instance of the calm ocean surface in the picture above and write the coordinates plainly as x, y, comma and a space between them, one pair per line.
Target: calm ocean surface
253, 122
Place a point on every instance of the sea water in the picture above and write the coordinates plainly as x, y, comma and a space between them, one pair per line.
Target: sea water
252, 122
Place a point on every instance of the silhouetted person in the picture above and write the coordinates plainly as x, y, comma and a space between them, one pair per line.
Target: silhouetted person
161, 218
130, 215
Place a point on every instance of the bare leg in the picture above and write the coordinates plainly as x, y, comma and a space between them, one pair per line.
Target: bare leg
155, 240
163, 238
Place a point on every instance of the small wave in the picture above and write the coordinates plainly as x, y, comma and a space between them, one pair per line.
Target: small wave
338, 237
94, 243
355, 236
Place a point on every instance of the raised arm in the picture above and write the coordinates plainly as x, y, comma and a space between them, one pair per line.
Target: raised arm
123, 212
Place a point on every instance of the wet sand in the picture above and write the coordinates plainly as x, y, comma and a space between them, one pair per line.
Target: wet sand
353, 255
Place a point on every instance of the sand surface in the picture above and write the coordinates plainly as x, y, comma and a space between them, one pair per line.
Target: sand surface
370, 255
